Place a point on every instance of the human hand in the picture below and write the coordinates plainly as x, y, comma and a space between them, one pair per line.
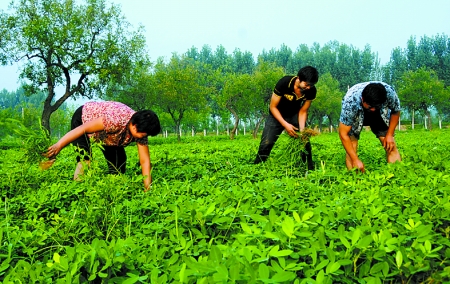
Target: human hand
358, 164
291, 130
52, 151
389, 143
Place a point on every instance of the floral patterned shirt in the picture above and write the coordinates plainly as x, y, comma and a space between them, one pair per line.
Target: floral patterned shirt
352, 113
116, 117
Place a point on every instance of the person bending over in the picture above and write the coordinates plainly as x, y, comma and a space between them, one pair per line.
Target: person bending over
288, 110
373, 104
115, 125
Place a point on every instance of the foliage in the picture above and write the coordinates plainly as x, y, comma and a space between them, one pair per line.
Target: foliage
33, 142
292, 148
328, 101
212, 216
177, 89
421, 90
81, 47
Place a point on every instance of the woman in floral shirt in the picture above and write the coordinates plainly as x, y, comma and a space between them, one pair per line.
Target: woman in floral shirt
374, 104
115, 125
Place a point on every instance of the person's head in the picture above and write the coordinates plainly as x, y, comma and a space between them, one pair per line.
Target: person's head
308, 74
374, 96
145, 121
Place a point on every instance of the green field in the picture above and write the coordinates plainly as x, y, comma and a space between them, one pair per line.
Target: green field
213, 217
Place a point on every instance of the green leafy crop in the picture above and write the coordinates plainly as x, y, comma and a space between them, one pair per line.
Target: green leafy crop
34, 142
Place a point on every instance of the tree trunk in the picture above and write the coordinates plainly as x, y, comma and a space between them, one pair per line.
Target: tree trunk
412, 120
178, 130
236, 122
258, 124
331, 124
429, 120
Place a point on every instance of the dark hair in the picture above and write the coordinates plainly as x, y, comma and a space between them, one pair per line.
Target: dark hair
308, 74
146, 121
374, 94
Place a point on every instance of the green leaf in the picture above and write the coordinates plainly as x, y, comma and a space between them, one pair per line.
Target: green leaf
263, 271
284, 276
182, 274
355, 236
215, 254
281, 253
211, 209
322, 264
56, 257
288, 227
428, 246
307, 216
320, 277
399, 259
258, 218
365, 241
246, 228
345, 242
133, 279
377, 267
296, 217
332, 267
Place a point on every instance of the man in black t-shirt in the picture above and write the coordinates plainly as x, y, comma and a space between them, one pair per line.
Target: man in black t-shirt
288, 111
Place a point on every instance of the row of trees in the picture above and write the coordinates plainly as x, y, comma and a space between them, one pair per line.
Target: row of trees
89, 50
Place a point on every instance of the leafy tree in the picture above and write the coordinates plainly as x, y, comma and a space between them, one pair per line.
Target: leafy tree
421, 90
265, 77
443, 105
328, 101
235, 96
81, 47
134, 90
178, 90
396, 67
242, 62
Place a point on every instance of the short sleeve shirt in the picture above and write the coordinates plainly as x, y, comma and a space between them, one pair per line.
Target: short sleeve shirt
290, 103
116, 117
352, 112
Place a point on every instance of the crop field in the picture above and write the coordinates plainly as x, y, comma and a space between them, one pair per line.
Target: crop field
214, 217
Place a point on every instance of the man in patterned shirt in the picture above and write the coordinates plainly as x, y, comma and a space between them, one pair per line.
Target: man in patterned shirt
373, 104
116, 126
288, 110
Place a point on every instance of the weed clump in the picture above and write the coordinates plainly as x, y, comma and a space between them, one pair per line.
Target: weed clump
292, 148
34, 142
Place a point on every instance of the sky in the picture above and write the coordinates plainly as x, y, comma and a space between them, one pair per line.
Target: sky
251, 25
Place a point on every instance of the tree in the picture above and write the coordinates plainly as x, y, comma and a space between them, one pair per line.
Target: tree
178, 90
420, 90
235, 96
81, 48
266, 76
328, 101
443, 105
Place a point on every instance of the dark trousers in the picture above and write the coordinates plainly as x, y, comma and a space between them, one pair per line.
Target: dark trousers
271, 132
114, 155
376, 123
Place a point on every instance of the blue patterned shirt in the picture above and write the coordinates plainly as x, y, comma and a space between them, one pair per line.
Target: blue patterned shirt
352, 113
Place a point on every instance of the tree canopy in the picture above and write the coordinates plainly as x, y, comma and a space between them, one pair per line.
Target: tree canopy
78, 47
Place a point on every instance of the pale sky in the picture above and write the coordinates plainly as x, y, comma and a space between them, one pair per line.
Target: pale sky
251, 25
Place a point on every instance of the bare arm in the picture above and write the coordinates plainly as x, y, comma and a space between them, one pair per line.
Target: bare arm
274, 101
144, 160
348, 146
89, 127
303, 114
388, 142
